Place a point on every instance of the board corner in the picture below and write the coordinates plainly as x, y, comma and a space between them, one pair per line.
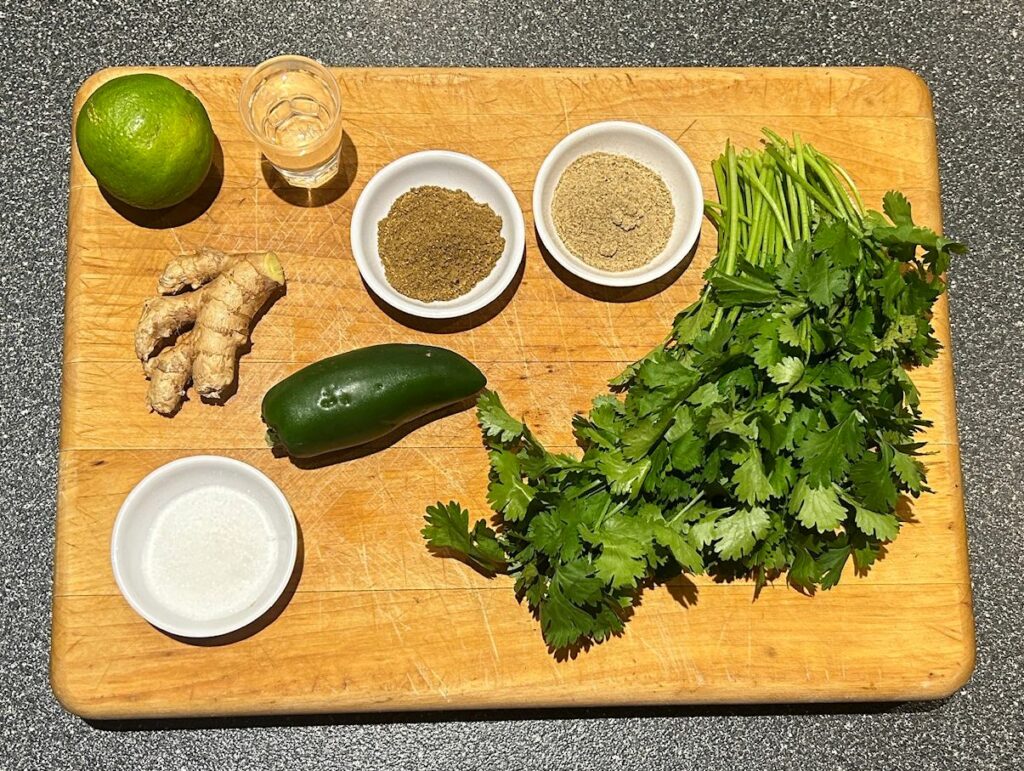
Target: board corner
915, 83
62, 685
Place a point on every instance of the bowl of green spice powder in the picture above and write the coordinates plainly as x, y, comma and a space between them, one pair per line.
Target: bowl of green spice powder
618, 204
438, 234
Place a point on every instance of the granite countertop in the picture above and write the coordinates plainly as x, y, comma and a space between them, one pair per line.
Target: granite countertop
972, 57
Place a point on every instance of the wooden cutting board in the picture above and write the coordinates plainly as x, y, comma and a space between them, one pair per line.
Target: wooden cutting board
375, 622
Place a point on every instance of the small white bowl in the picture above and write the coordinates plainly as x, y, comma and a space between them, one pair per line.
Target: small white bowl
444, 169
647, 146
149, 497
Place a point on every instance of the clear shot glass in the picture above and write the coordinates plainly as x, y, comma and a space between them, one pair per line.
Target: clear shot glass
292, 107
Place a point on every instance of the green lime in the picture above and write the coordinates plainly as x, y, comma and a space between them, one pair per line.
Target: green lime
147, 140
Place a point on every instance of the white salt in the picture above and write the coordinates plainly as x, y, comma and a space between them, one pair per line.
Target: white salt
210, 553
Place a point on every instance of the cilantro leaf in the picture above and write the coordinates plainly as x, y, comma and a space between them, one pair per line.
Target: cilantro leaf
621, 562
872, 479
817, 508
737, 534
884, 527
767, 350
803, 571
836, 238
823, 282
858, 334
897, 208
562, 622
508, 493
826, 455
830, 564
909, 470
687, 452
624, 477
795, 265
579, 583
742, 290
782, 475
495, 422
706, 396
680, 546
694, 320
448, 528
556, 535
752, 485
787, 371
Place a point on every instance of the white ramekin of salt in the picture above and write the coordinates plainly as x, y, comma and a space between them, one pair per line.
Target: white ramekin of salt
203, 546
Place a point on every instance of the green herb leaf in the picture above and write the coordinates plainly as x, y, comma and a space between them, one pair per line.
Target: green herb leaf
752, 485
817, 508
742, 290
826, 455
508, 493
448, 528
884, 527
897, 208
737, 534
624, 477
495, 422
786, 372
909, 470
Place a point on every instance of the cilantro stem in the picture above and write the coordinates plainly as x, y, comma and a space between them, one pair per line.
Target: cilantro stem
794, 207
773, 205
727, 183
713, 215
734, 208
817, 195
770, 242
842, 173
693, 502
755, 204
805, 228
843, 206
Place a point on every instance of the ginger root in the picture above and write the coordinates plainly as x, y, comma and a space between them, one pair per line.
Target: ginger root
210, 322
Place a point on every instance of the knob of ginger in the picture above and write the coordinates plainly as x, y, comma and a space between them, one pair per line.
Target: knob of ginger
195, 336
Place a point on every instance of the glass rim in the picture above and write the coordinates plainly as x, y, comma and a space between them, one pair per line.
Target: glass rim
246, 91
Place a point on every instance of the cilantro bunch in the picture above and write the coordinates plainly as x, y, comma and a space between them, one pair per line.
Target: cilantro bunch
772, 431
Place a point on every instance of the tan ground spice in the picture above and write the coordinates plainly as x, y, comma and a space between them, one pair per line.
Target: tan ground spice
437, 244
612, 212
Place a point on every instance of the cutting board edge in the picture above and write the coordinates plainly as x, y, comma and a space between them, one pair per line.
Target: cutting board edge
930, 689
913, 80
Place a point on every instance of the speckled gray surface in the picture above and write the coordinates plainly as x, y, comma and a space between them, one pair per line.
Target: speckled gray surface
971, 55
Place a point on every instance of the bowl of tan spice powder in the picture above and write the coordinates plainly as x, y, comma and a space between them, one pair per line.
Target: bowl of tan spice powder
438, 234
618, 204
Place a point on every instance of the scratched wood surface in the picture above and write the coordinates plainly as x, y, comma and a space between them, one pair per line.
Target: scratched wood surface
373, 621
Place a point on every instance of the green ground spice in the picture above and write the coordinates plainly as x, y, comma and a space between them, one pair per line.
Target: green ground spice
612, 212
437, 244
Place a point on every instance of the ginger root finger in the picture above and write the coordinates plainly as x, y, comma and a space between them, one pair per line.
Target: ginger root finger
162, 318
169, 374
222, 326
194, 269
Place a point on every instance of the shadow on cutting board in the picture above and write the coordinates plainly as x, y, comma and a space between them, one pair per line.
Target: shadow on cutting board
508, 715
614, 294
327, 193
263, 621
191, 208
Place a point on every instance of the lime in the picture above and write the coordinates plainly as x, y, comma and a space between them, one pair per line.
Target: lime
147, 140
